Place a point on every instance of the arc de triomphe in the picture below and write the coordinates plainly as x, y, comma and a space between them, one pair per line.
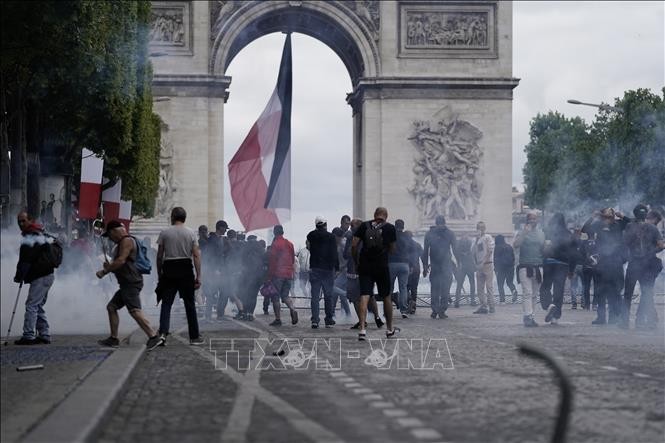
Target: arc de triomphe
431, 100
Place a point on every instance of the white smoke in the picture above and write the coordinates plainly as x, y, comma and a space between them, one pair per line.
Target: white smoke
76, 302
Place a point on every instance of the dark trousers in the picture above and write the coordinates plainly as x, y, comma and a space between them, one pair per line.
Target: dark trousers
440, 281
412, 288
178, 277
588, 276
610, 282
639, 271
251, 293
322, 279
459, 277
505, 275
551, 289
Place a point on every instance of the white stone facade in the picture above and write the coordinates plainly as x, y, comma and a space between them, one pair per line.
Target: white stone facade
408, 60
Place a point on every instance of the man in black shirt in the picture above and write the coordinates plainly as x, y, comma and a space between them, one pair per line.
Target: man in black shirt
323, 264
437, 259
378, 240
643, 241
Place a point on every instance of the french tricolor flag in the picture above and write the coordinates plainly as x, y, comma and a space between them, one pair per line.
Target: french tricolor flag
260, 172
91, 184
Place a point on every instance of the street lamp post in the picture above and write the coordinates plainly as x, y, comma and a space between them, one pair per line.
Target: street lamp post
601, 106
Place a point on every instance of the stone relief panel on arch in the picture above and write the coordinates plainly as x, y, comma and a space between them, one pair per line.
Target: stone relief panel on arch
220, 12
168, 185
447, 30
447, 167
171, 28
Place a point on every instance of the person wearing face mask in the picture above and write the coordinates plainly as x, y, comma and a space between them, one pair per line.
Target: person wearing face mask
530, 242
483, 256
607, 227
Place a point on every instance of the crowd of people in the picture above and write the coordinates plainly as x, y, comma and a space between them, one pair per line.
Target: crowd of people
360, 263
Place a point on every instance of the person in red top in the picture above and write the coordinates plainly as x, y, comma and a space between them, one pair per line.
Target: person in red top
281, 260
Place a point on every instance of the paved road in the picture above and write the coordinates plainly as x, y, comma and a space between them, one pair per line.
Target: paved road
479, 388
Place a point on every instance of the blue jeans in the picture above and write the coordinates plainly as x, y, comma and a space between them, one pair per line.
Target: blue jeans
322, 279
339, 292
34, 308
401, 272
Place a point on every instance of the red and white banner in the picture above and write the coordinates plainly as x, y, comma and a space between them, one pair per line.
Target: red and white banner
91, 184
111, 201
125, 215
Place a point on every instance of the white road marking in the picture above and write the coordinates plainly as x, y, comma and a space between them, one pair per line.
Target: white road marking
640, 375
251, 387
609, 368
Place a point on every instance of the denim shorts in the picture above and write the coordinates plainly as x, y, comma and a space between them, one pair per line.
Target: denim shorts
127, 295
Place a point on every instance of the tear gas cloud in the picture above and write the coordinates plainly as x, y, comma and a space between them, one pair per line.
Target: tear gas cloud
77, 300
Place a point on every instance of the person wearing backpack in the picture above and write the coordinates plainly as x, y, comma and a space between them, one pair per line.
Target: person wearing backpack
378, 238
35, 267
130, 278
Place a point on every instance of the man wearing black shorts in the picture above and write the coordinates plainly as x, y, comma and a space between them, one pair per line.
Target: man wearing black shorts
131, 283
378, 238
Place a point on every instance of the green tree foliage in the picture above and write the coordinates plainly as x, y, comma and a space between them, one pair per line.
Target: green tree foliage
81, 68
620, 157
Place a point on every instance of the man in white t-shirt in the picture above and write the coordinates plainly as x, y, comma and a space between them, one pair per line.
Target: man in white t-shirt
178, 250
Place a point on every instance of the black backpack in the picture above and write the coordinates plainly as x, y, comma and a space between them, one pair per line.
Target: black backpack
373, 241
53, 252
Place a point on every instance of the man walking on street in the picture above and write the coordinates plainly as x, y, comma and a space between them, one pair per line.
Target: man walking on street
643, 241
398, 263
34, 268
530, 241
483, 256
466, 268
504, 266
415, 257
378, 240
130, 280
438, 261
178, 250
281, 258
216, 250
323, 264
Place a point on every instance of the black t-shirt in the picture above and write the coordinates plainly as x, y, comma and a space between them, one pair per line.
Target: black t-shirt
375, 255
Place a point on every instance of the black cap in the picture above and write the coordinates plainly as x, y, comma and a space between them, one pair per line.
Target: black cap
640, 212
110, 226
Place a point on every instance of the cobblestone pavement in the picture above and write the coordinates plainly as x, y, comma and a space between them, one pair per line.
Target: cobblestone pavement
29, 396
480, 388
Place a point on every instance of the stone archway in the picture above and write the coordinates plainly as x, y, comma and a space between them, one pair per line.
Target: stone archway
431, 100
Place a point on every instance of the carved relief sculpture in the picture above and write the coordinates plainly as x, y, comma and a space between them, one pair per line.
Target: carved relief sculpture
167, 26
171, 27
167, 182
220, 11
448, 179
368, 12
446, 29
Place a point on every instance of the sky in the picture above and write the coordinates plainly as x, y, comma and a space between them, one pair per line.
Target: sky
590, 51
